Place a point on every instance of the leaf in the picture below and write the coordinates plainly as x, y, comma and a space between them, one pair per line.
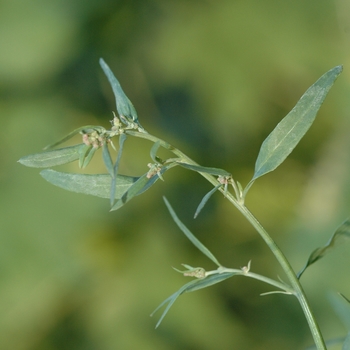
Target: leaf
287, 134
131, 192
154, 151
139, 187
341, 306
190, 235
89, 156
205, 199
107, 159
170, 301
122, 139
124, 106
51, 158
203, 169
98, 185
191, 287
342, 231
346, 344
86, 128
83, 154
210, 280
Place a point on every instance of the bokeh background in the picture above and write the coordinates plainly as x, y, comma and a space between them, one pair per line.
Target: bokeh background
213, 78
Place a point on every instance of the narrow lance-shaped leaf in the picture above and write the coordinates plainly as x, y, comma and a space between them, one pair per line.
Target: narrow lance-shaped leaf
140, 186
203, 169
125, 108
83, 153
191, 287
54, 157
85, 128
107, 159
190, 235
343, 231
98, 185
89, 156
205, 199
122, 139
154, 151
170, 301
287, 134
133, 191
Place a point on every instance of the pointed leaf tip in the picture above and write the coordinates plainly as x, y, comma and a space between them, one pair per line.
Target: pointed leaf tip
98, 185
287, 134
195, 241
343, 231
54, 157
125, 108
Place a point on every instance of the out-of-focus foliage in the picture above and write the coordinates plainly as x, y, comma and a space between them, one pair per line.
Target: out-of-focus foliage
214, 78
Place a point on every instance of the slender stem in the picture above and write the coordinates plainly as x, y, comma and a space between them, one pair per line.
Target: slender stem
283, 286
298, 290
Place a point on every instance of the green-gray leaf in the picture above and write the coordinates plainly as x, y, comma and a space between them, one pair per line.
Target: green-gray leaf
89, 156
124, 106
54, 157
107, 159
154, 151
287, 134
83, 154
203, 169
97, 185
341, 306
122, 139
86, 128
191, 287
136, 189
190, 235
343, 231
346, 344
205, 199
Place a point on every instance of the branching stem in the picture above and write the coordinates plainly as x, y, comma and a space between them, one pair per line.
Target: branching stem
294, 282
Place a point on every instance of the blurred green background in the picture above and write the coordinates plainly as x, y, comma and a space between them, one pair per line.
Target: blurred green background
213, 78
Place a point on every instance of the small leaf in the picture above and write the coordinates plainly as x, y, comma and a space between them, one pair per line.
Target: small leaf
124, 106
51, 158
140, 186
170, 301
122, 139
205, 199
342, 231
191, 287
287, 134
83, 153
89, 156
98, 185
154, 151
203, 169
136, 189
107, 159
190, 235
86, 128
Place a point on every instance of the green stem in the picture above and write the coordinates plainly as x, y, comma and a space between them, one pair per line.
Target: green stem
298, 290
283, 286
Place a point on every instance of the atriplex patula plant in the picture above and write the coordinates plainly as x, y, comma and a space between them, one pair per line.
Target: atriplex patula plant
120, 188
